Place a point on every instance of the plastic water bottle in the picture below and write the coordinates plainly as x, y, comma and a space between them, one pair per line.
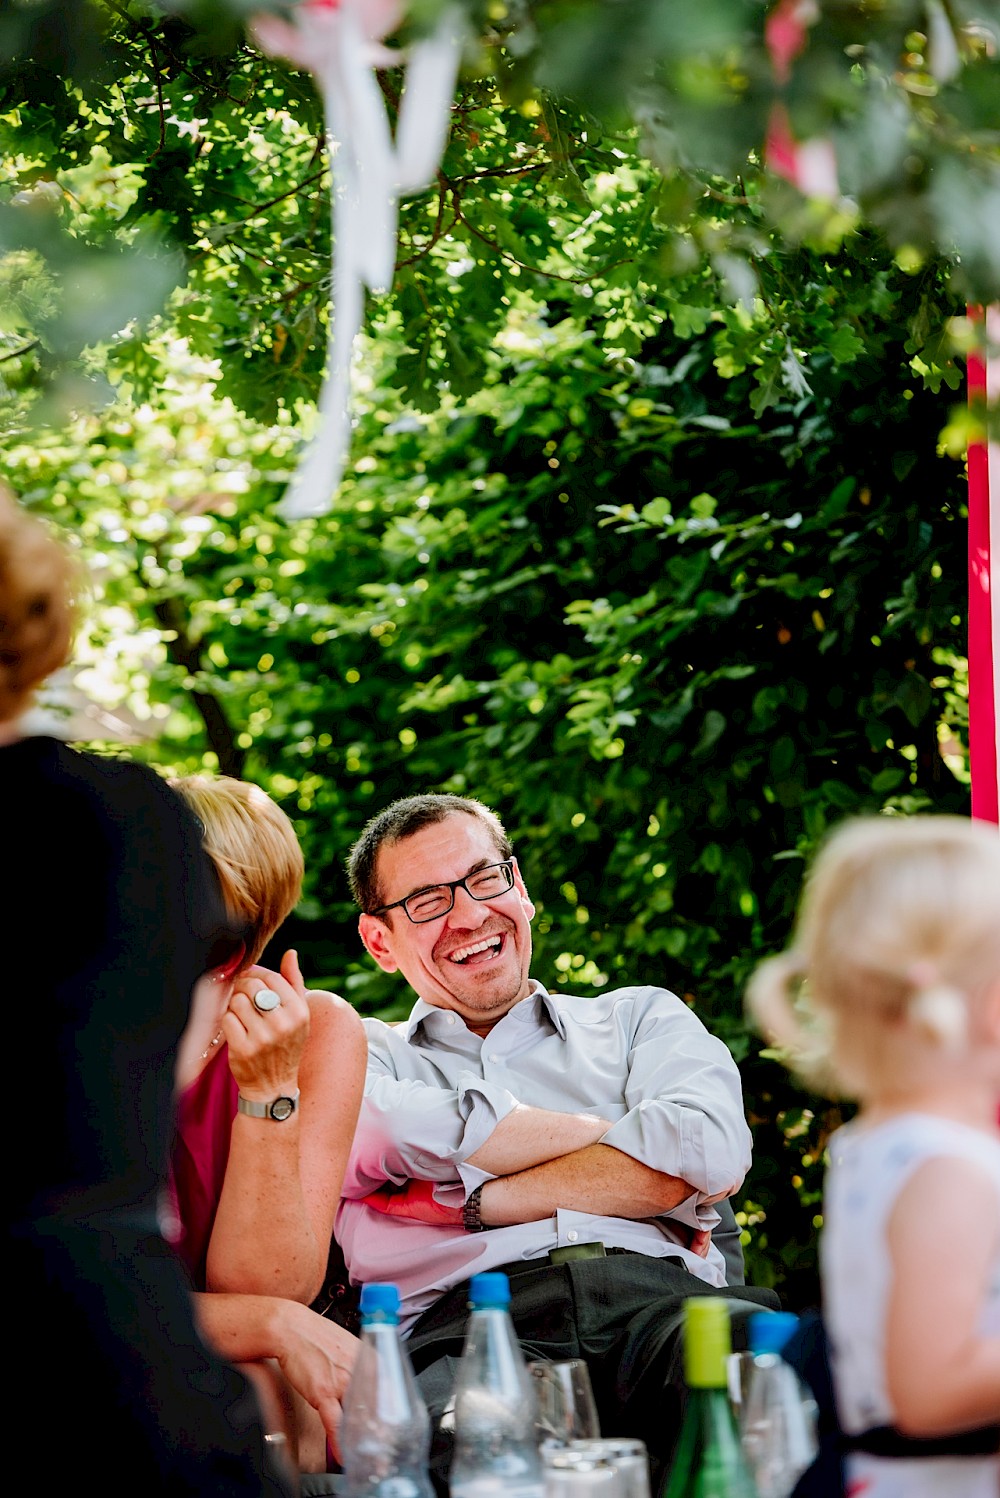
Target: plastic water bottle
386, 1430
778, 1419
496, 1433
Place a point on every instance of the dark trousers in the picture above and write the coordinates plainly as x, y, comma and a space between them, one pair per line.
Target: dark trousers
623, 1314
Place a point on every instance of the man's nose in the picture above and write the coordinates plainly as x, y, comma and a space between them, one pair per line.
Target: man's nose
466, 912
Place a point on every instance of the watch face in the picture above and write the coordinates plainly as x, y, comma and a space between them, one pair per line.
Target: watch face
282, 1108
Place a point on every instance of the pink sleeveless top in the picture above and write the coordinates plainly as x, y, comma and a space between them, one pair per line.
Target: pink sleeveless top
205, 1113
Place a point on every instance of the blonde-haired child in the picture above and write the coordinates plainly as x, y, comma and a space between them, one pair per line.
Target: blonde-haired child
892, 991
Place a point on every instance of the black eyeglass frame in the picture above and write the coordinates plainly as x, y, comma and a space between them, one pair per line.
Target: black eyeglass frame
507, 864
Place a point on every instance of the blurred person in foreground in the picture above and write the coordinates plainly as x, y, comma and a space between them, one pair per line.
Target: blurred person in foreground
111, 913
891, 992
271, 1078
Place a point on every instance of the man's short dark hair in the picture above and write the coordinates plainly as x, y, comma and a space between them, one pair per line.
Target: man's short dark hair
402, 820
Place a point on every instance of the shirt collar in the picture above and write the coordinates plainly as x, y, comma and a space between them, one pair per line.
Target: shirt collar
538, 1000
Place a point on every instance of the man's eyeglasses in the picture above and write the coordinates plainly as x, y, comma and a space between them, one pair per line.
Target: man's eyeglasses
427, 904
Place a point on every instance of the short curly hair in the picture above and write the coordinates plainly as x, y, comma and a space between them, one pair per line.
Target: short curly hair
402, 820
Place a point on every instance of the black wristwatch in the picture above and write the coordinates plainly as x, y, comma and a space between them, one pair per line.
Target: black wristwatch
471, 1214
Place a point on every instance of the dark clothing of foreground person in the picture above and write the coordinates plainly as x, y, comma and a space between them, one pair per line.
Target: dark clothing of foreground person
110, 917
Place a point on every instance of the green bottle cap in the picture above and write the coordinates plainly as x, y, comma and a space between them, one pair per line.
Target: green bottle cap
707, 1342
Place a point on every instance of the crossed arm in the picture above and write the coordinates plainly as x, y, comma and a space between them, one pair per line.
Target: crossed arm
542, 1160
685, 1111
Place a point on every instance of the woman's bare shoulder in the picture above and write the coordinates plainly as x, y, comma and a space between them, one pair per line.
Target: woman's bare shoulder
329, 1013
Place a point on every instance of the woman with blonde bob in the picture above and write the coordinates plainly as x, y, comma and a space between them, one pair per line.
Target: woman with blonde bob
891, 993
271, 1077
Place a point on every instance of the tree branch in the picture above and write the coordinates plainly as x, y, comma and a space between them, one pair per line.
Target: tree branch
262, 207
436, 232
158, 81
18, 353
536, 270
502, 171
183, 651
724, 197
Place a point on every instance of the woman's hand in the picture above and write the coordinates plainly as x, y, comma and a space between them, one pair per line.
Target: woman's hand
316, 1356
265, 1048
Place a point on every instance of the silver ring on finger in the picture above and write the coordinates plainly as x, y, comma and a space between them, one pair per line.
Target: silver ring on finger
265, 999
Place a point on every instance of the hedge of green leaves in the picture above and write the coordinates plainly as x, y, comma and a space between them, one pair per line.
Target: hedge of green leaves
669, 641
653, 534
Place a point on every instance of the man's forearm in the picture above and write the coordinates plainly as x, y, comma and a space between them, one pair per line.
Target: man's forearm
533, 1136
597, 1179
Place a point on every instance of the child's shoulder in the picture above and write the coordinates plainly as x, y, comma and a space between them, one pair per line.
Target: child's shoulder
898, 1144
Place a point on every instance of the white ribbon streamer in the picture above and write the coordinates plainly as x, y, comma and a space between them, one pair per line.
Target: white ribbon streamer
340, 46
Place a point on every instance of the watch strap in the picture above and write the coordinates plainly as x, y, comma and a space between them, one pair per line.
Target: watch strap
280, 1108
472, 1214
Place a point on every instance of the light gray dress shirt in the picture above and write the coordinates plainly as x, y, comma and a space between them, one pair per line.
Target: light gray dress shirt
435, 1092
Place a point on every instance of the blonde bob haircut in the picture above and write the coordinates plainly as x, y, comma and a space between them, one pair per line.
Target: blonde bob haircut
898, 937
38, 586
254, 849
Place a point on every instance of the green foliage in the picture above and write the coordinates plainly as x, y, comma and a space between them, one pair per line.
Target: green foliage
670, 641
132, 130
647, 537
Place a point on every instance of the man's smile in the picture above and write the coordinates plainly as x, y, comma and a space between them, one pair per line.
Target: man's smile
475, 953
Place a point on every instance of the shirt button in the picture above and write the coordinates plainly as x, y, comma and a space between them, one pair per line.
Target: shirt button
493, 1056
572, 1235
451, 1019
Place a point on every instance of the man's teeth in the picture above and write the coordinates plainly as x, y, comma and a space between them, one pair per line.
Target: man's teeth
462, 954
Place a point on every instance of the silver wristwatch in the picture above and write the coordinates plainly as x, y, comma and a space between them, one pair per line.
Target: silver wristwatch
279, 1110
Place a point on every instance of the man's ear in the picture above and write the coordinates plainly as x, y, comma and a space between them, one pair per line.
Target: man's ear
374, 934
519, 885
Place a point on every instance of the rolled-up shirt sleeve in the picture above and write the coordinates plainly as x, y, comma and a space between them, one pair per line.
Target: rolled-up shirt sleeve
685, 1101
410, 1129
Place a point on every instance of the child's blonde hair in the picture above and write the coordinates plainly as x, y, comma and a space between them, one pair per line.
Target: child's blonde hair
38, 584
898, 930
254, 849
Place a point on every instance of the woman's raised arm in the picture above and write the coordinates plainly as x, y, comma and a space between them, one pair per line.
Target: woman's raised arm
274, 1223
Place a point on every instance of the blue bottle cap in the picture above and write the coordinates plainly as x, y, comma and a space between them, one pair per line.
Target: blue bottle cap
489, 1290
379, 1302
770, 1330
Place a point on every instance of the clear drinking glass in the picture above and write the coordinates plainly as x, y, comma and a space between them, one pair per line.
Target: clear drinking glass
628, 1457
566, 1408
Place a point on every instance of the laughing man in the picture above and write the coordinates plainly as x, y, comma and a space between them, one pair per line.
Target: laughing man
578, 1144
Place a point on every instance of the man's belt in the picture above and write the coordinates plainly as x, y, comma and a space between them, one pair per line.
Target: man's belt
570, 1253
